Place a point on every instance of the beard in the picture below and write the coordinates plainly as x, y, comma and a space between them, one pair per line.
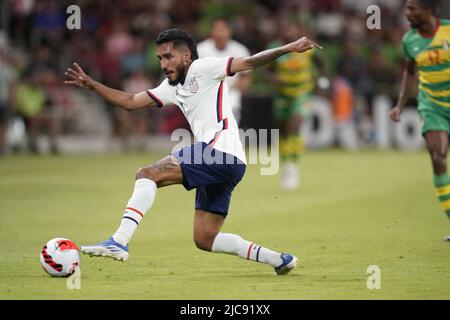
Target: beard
415, 24
181, 75
418, 22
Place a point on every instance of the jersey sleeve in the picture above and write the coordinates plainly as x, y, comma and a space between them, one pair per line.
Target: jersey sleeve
405, 48
163, 94
215, 68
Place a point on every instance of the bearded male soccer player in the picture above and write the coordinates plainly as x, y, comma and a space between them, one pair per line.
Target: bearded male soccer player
214, 165
426, 47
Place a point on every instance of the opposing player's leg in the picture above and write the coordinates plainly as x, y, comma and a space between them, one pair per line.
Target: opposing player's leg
289, 114
437, 145
163, 173
207, 236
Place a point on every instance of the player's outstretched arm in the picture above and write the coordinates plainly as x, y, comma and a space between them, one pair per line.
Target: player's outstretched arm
125, 100
408, 82
264, 57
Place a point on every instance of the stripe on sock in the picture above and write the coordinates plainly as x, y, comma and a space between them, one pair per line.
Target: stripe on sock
441, 181
446, 205
443, 190
445, 197
130, 218
135, 210
257, 254
249, 249
133, 215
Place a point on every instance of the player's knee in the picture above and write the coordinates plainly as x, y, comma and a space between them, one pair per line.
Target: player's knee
203, 241
147, 173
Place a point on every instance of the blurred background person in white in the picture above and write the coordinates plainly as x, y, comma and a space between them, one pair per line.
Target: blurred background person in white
7, 81
221, 45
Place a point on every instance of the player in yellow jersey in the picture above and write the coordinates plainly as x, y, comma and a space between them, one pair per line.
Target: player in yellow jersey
293, 76
426, 47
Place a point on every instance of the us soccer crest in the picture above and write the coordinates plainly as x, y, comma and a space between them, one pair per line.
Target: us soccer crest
193, 85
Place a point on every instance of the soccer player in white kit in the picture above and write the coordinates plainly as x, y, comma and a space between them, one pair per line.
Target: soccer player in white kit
221, 45
213, 165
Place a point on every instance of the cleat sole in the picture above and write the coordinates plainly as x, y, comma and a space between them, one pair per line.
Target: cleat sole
100, 255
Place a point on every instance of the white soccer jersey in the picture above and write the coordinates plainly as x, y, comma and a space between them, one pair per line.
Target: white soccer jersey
233, 48
204, 101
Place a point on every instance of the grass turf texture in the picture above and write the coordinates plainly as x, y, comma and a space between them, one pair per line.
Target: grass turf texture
353, 210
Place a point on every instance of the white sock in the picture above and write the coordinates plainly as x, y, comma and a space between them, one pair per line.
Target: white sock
234, 244
140, 202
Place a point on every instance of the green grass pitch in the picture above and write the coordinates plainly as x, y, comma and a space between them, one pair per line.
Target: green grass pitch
352, 210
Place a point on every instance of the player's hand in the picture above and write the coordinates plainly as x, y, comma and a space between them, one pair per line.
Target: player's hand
395, 113
78, 77
304, 44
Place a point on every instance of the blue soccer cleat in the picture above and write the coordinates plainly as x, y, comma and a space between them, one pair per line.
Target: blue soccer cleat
289, 263
109, 248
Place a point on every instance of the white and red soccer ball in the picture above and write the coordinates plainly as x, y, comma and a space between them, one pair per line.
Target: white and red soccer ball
60, 257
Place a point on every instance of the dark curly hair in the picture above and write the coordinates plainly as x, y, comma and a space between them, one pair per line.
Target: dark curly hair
429, 4
179, 38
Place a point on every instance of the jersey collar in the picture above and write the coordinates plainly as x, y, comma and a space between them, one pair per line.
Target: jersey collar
438, 24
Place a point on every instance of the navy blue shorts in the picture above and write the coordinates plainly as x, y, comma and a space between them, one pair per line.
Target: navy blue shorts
213, 173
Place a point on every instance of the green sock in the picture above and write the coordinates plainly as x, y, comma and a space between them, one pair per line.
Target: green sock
442, 185
296, 147
284, 149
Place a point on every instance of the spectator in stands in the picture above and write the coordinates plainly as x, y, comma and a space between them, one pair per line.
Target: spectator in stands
29, 97
134, 126
343, 105
8, 78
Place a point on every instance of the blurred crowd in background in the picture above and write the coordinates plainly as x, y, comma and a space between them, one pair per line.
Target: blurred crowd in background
116, 46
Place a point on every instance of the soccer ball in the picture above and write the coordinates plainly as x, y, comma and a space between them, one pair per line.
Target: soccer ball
60, 257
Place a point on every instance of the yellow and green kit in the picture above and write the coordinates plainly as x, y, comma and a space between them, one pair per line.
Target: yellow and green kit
295, 82
432, 58
295, 75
